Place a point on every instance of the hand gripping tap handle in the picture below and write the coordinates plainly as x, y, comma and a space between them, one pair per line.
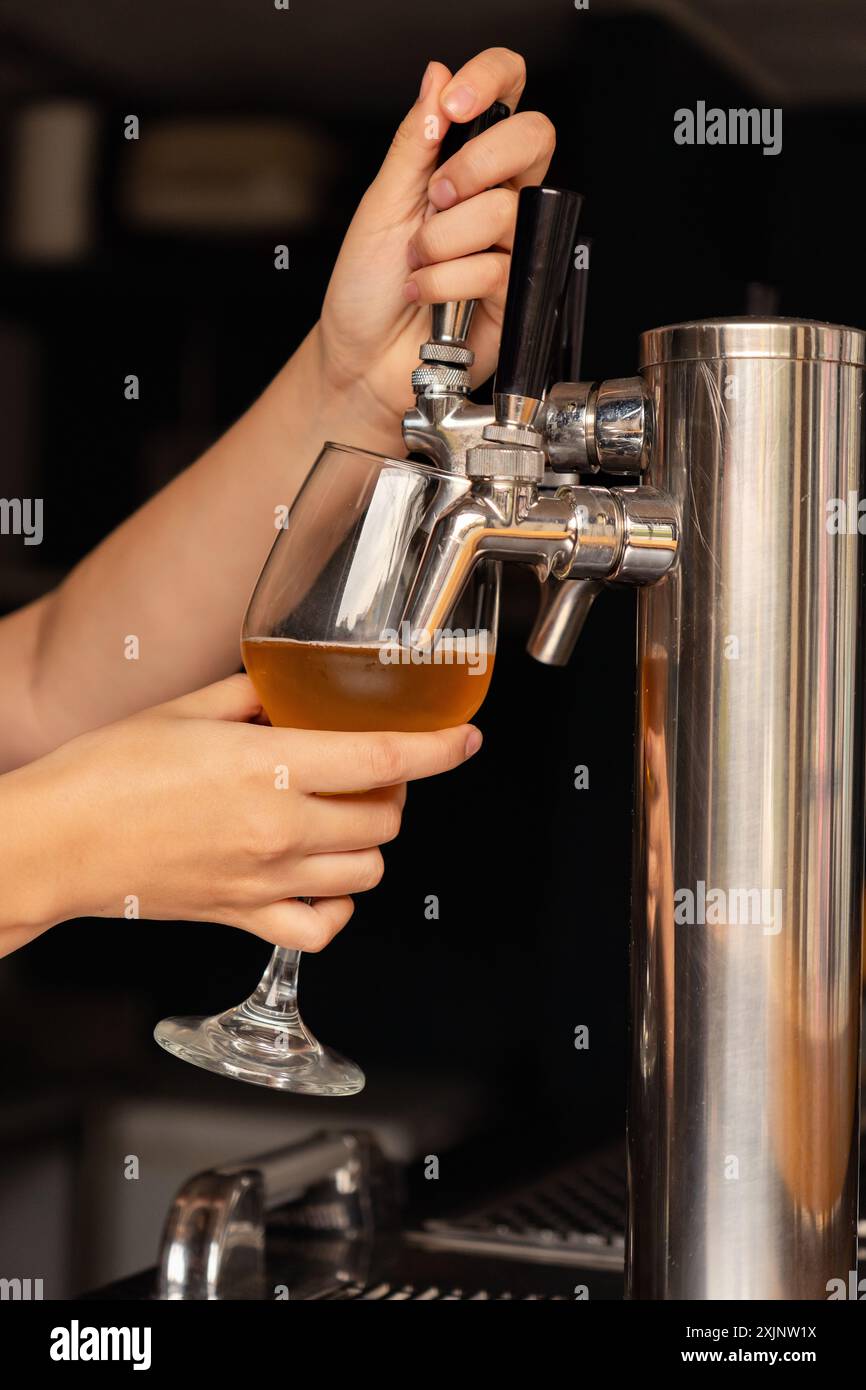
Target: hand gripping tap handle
540, 260
450, 322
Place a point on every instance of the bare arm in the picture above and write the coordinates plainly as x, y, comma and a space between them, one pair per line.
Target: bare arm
176, 575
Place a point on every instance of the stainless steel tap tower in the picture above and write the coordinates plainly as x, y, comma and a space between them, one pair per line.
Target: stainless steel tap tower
744, 443
743, 1119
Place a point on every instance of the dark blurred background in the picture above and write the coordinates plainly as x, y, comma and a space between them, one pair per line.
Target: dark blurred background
155, 257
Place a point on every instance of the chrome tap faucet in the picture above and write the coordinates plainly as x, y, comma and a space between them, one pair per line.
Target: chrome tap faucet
444, 423
576, 533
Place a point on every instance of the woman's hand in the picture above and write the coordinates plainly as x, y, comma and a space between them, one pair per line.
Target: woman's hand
191, 811
63, 663
398, 258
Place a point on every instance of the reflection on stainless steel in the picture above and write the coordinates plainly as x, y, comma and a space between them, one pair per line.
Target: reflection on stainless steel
443, 424
650, 532
743, 1124
569, 426
590, 426
450, 324
622, 425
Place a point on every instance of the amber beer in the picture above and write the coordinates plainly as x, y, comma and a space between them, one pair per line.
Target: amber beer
329, 685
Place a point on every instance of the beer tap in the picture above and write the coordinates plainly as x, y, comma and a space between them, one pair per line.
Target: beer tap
444, 423
570, 533
564, 605
738, 437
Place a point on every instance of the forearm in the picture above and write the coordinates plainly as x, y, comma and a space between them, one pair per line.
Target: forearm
38, 856
174, 579
177, 575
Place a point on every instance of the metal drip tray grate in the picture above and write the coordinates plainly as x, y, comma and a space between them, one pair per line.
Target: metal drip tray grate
408, 1293
575, 1215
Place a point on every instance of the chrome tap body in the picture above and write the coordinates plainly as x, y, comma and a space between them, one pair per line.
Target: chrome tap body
514, 510
623, 534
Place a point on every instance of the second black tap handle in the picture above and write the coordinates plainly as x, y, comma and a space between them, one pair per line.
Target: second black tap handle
540, 259
566, 362
459, 135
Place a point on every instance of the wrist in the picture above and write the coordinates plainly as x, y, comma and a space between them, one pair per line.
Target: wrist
38, 860
338, 407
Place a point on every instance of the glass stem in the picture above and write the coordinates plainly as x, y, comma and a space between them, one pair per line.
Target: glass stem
277, 990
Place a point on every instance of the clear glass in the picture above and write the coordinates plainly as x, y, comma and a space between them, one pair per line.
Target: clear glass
326, 646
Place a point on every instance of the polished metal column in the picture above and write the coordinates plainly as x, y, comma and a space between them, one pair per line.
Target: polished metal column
743, 1117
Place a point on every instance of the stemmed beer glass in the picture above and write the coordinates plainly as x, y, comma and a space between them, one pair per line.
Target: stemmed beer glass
326, 646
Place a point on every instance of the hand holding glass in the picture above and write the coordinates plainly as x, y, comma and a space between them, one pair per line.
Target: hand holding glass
326, 647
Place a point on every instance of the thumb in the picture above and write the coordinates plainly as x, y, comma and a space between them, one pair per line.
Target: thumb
415, 148
234, 699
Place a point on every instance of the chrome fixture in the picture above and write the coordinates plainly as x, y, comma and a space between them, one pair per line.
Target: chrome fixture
745, 442
572, 532
332, 1193
743, 1124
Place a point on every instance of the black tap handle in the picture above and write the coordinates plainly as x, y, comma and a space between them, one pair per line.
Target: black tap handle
568, 352
492, 116
543, 249
458, 135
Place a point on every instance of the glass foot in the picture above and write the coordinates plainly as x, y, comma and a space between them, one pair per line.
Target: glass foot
264, 1040
266, 1054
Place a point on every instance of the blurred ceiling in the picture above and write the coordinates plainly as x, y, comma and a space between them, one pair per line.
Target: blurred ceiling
328, 54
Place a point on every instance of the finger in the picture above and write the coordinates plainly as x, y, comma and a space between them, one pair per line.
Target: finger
331, 875
518, 150
352, 822
481, 222
414, 149
233, 699
497, 74
298, 926
347, 762
484, 276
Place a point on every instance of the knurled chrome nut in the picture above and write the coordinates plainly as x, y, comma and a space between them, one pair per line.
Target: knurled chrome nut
523, 435
446, 352
504, 461
451, 378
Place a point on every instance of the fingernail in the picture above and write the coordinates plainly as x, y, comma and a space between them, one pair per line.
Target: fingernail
410, 290
413, 259
425, 82
459, 101
474, 742
443, 194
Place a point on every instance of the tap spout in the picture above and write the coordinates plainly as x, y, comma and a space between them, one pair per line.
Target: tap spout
622, 534
562, 612
499, 520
